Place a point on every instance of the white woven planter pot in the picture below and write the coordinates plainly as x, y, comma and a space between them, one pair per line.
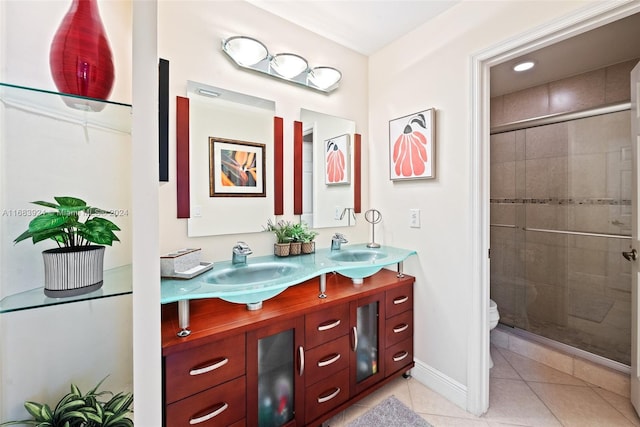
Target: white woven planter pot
72, 271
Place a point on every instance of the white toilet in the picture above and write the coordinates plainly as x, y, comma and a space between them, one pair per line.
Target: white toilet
494, 317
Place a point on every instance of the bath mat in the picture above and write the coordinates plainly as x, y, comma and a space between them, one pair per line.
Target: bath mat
587, 307
389, 413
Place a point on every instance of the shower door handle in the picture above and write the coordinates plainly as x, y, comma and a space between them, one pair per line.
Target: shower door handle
631, 255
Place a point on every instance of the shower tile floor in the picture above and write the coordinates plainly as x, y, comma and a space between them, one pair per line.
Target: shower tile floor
611, 342
523, 392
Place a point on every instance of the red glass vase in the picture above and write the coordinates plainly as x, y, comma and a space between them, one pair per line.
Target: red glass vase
80, 58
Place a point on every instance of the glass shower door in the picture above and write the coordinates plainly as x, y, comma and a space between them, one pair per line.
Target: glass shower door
558, 272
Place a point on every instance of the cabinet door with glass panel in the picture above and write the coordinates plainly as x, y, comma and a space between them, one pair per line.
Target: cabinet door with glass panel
275, 368
367, 322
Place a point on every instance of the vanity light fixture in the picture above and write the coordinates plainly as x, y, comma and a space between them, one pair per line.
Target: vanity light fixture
251, 54
523, 66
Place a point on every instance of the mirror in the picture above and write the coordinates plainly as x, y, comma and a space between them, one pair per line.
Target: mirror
327, 169
225, 126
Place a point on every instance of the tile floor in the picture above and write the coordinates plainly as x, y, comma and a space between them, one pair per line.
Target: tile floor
523, 392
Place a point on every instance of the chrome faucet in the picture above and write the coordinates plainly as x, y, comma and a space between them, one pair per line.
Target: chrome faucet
240, 252
337, 240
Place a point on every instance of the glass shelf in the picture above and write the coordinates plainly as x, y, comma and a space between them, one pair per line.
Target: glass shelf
90, 112
117, 281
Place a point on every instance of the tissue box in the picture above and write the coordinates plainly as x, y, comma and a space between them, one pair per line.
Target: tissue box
179, 261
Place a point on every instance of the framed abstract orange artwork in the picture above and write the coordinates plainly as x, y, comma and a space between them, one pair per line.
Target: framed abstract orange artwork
236, 168
412, 146
337, 160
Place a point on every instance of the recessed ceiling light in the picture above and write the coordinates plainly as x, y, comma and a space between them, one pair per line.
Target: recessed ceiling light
523, 66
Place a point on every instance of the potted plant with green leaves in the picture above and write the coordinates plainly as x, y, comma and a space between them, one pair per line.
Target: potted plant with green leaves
307, 238
296, 232
81, 410
75, 267
282, 231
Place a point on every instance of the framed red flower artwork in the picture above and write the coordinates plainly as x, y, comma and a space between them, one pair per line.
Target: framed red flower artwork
337, 160
412, 146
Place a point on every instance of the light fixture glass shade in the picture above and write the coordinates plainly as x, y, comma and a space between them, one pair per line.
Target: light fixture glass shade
289, 65
245, 50
324, 77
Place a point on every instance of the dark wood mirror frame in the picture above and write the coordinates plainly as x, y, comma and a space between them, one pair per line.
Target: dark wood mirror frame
182, 160
297, 170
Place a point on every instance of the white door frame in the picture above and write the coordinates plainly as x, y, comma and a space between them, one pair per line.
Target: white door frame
578, 22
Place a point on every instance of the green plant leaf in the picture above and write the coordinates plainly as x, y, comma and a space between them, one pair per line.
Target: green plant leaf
92, 416
115, 419
103, 222
75, 390
46, 204
33, 408
73, 415
45, 413
69, 405
71, 202
48, 221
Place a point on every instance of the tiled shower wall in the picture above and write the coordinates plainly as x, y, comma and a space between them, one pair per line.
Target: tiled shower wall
572, 176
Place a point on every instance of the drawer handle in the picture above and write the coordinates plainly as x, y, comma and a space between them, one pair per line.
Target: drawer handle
400, 300
327, 362
327, 326
399, 356
327, 398
400, 328
301, 360
209, 368
210, 415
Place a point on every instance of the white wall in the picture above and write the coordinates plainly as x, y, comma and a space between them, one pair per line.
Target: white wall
430, 67
196, 55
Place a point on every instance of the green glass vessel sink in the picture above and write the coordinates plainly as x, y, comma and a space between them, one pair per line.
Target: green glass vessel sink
357, 255
263, 277
246, 274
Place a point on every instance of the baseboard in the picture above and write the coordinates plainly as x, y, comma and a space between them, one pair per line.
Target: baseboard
440, 383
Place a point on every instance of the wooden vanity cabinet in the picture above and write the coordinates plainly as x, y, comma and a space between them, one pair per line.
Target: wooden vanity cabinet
296, 362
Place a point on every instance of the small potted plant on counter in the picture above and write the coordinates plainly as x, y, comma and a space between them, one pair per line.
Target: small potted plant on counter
307, 238
297, 232
75, 267
282, 231
78, 410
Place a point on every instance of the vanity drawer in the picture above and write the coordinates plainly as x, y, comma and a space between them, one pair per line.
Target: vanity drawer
399, 328
190, 371
398, 300
398, 356
327, 359
223, 405
326, 395
326, 325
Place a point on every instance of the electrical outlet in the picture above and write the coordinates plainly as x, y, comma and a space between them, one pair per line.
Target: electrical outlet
414, 218
338, 213
197, 211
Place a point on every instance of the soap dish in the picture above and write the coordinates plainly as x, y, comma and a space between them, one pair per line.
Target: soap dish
190, 273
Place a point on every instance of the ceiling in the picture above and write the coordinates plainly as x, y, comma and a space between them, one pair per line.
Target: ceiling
366, 26
610, 44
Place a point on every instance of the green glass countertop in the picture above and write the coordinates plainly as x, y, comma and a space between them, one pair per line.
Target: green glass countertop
351, 261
